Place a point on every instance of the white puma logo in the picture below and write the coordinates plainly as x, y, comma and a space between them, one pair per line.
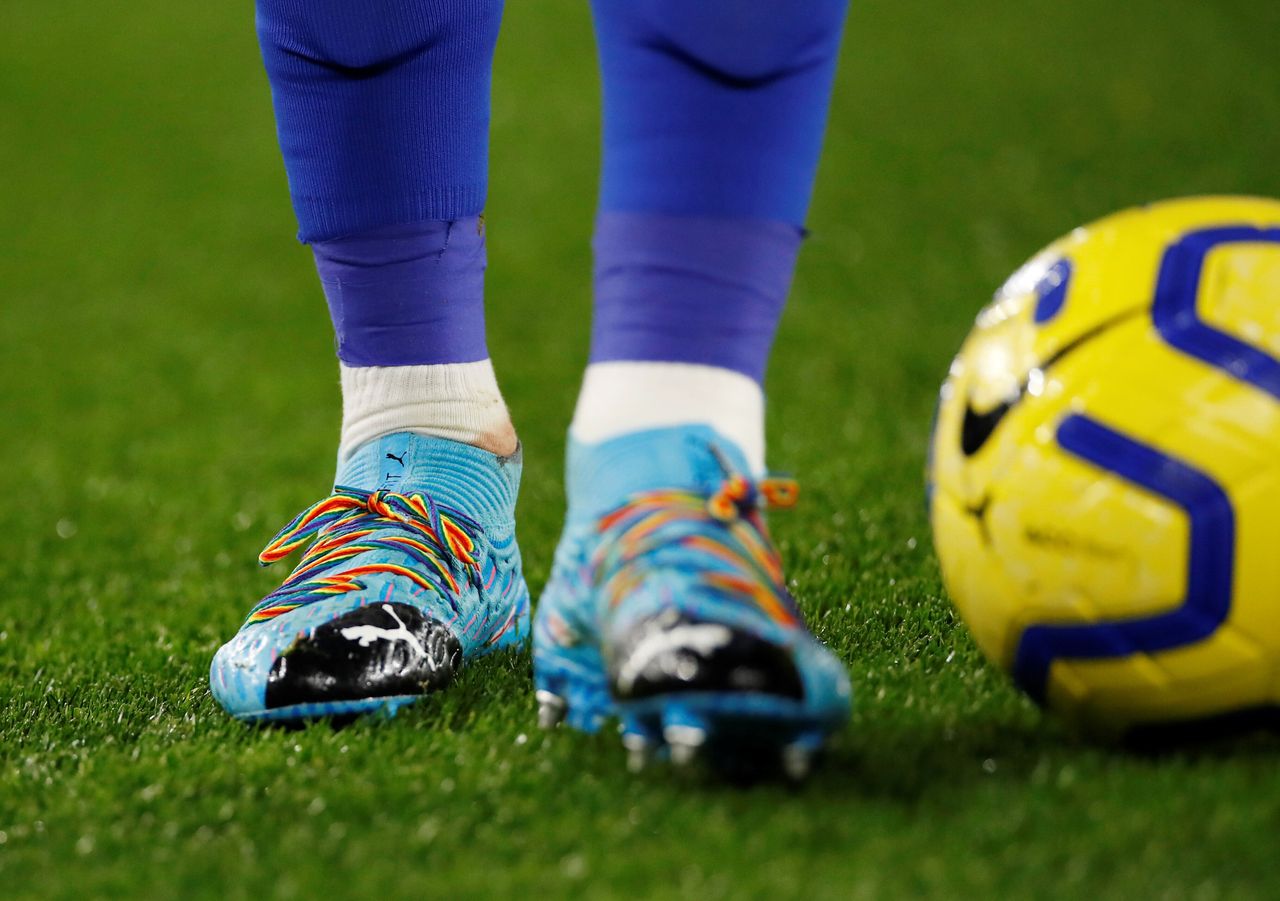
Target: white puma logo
701, 637
367, 635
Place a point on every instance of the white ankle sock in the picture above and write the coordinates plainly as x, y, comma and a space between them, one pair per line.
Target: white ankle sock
623, 397
458, 401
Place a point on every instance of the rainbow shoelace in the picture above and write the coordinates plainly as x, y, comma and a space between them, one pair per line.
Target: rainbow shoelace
350, 522
726, 532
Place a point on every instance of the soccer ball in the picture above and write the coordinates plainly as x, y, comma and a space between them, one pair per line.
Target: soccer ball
1104, 475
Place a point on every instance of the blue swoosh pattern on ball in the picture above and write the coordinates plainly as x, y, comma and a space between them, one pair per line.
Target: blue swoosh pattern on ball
1174, 309
1210, 560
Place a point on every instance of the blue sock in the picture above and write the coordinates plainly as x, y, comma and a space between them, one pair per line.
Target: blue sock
382, 109
683, 289
714, 114
407, 295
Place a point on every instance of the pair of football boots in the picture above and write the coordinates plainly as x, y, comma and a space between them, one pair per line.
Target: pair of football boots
666, 609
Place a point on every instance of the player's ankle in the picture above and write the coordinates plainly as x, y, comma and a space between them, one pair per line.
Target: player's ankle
621, 398
407, 303
455, 401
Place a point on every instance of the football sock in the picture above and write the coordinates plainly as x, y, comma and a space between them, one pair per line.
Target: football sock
715, 108
407, 304
713, 120
685, 313
382, 110
690, 289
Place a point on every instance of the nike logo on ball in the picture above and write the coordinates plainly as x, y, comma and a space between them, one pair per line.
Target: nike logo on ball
976, 428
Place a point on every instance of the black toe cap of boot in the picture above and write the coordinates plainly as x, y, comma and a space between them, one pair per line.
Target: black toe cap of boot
672, 653
371, 652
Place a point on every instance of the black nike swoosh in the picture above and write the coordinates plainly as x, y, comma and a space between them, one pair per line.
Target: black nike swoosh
976, 428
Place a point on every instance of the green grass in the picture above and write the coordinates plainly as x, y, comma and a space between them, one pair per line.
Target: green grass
170, 399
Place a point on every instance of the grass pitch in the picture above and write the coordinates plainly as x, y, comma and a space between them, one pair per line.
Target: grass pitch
170, 399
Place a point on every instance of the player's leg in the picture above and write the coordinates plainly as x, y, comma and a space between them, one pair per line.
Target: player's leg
667, 603
382, 110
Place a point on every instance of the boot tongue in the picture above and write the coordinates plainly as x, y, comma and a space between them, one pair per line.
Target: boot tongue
688, 458
479, 484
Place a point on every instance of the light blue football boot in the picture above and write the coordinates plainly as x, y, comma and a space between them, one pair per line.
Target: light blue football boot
412, 569
667, 608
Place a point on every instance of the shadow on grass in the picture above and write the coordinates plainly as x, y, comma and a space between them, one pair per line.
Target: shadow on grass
891, 760
906, 761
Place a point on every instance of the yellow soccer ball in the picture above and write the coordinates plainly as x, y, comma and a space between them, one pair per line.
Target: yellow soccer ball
1104, 476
